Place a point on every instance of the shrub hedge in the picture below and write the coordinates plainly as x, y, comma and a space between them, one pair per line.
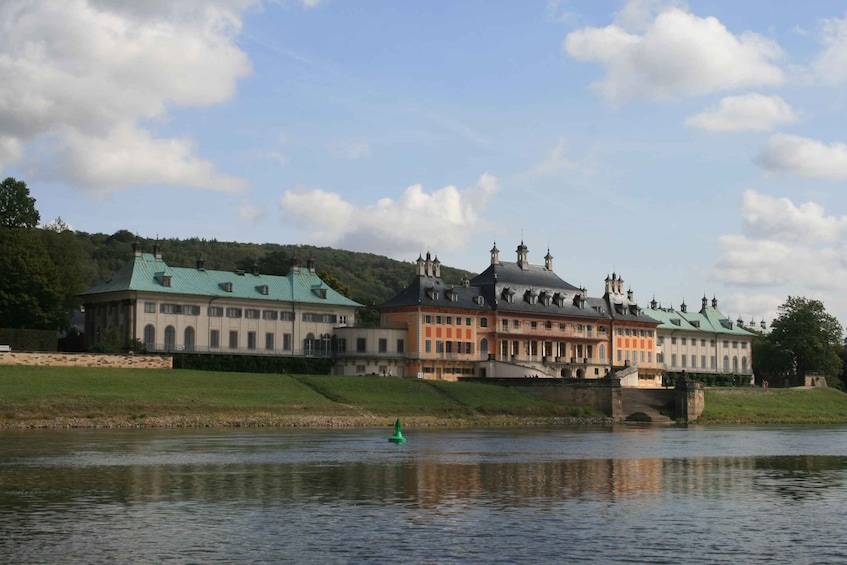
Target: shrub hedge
709, 379
253, 364
30, 340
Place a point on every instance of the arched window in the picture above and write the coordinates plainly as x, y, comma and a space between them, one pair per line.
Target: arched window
726, 363
309, 344
189, 339
601, 351
483, 322
743, 364
735, 364
150, 337
170, 338
483, 347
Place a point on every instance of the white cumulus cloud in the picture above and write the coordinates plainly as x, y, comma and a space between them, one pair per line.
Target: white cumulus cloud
793, 154
673, 54
784, 246
765, 216
93, 70
830, 66
413, 221
554, 163
748, 112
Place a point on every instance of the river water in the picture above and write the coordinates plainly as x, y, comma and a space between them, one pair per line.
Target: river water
623, 494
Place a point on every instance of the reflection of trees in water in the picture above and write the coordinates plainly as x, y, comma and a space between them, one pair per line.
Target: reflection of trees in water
425, 484
800, 477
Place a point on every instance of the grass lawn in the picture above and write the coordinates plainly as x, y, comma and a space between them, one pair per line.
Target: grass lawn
795, 406
78, 392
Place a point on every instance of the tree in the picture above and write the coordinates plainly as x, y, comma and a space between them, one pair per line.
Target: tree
17, 207
809, 334
30, 293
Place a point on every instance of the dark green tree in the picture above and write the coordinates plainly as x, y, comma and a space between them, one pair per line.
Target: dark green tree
330, 279
30, 293
810, 335
17, 207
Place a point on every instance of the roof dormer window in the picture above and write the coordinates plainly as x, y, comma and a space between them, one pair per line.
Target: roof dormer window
226, 286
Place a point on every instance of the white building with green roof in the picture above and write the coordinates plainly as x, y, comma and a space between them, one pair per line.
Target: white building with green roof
194, 309
705, 342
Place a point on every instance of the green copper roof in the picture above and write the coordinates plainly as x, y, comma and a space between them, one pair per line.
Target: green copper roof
146, 273
708, 319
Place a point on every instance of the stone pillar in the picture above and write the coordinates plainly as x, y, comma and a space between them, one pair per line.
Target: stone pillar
689, 399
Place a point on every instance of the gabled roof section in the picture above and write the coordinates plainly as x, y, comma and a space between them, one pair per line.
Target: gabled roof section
147, 273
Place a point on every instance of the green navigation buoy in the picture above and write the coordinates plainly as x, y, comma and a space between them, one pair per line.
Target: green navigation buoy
398, 435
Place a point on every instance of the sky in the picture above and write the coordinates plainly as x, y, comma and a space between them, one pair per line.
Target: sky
693, 148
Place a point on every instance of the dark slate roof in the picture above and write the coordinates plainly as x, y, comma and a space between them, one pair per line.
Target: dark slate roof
511, 274
432, 291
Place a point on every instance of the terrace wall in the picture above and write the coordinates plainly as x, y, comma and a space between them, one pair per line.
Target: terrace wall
86, 360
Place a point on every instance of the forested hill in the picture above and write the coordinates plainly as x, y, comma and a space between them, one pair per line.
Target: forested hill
370, 278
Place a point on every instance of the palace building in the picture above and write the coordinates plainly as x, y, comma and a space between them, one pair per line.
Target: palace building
705, 342
514, 319
194, 309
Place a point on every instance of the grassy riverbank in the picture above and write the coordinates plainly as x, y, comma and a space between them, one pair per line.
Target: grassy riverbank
55, 397
59, 397
777, 406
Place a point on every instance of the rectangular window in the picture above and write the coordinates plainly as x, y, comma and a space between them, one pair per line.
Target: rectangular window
286, 316
684, 361
270, 315
383, 345
214, 338
233, 340
660, 340
673, 341
269, 341
251, 340
341, 345
735, 345
438, 319
743, 345
286, 342
673, 360
449, 347
458, 320
693, 361
149, 307
714, 362
726, 344
703, 361
439, 346
428, 346
467, 321
191, 310
233, 312
649, 356
642, 357
620, 355
703, 343
427, 319
251, 314
170, 309
505, 324
483, 322
533, 325
683, 341
468, 348
449, 320
516, 323
401, 346
548, 325
361, 344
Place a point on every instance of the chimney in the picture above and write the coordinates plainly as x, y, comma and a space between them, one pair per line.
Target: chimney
157, 251
201, 263
136, 248
255, 268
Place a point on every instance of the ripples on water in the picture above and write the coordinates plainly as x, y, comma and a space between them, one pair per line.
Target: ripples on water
611, 495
